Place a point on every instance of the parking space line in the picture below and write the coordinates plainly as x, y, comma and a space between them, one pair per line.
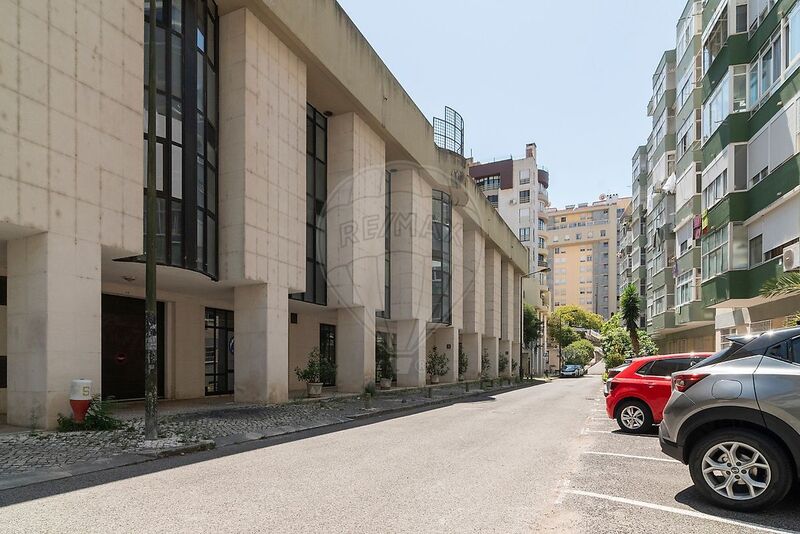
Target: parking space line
668, 460
679, 511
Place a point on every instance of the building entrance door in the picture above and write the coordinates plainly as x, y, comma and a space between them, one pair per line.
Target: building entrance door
327, 351
122, 366
219, 351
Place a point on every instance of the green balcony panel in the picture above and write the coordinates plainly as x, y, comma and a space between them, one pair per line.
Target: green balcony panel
744, 284
769, 108
735, 52
775, 185
693, 312
690, 260
708, 11
664, 278
767, 28
731, 208
690, 208
662, 321
734, 129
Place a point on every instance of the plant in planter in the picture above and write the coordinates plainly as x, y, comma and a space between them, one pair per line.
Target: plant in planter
384, 356
502, 363
315, 369
514, 366
436, 365
463, 363
485, 365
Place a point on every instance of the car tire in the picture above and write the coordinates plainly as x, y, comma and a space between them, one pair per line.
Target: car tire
631, 411
778, 477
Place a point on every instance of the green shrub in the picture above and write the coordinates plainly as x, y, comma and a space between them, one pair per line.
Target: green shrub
384, 356
316, 368
436, 364
485, 364
98, 417
463, 362
502, 363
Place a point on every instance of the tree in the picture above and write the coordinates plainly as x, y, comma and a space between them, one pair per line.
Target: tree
786, 284
629, 305
531, 326
579, 352
617, 343
565, 319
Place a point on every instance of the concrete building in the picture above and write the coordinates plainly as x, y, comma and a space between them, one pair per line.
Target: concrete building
517, 188
583, 248
302, 202
735, 182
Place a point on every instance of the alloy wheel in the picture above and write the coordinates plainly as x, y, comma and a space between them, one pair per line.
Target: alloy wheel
736, 470
632, 417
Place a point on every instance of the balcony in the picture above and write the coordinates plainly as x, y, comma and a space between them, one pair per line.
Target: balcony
662, 321
739, 285
693, 312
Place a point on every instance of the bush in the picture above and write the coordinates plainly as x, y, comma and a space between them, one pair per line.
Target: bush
436, 364
502, 363
463, 362
579, 352
485, 364
315, 369
98, 417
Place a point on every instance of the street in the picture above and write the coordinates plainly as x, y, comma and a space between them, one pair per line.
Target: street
537, 459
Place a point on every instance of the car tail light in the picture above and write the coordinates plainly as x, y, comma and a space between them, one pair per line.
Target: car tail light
683, 381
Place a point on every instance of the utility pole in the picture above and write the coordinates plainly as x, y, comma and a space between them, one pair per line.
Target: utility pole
150, 328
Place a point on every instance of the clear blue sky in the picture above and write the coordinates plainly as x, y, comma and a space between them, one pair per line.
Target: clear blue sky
572, 76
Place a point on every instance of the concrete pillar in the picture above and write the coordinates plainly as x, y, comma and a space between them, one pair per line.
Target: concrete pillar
492, 293
189, 349
473, 281
505, 351
507, 300
355, 348
262, 343
446, 341
472, 346
411, 335
516, 306
457, 269
516, 357
54, 323
491, 348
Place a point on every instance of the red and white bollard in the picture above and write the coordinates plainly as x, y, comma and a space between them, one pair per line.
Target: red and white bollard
80, 395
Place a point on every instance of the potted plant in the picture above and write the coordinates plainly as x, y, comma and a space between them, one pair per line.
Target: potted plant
385, 354
463, 364
313, 371
436, 365
502, 363
485, 365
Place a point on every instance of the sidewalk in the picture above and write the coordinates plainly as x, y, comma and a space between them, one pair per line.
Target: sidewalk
36, 456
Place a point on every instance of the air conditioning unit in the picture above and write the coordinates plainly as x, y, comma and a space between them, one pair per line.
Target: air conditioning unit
513, 201
791, 258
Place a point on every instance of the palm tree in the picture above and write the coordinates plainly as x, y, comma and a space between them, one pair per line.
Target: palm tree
629, 306
785, 284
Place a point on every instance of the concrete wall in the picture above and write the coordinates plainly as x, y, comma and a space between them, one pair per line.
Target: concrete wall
3, 352
187, 362
303, 337
71, 120
262, 182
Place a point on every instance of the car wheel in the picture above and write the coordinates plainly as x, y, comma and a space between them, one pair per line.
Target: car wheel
740, 470
634, 417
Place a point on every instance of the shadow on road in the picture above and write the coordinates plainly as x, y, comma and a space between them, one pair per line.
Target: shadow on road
81, 481
785, 516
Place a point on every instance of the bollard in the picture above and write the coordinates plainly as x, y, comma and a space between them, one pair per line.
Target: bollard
367, 400
466, 386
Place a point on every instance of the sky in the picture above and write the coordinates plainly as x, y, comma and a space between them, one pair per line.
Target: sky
572, 76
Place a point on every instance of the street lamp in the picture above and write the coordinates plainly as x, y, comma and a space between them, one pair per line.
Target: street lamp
539, 270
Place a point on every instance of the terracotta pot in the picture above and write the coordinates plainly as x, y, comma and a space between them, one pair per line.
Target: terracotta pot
314, 389
386, 383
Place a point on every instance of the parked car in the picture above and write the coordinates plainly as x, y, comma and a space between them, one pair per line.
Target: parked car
735, 421
636, 396
571, 370
614, 371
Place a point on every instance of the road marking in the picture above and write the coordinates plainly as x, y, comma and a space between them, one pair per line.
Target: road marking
588, 431
668, 460
679, 511
562, 492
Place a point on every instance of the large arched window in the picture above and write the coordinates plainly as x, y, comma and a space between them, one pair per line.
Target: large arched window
186, 132
442, 302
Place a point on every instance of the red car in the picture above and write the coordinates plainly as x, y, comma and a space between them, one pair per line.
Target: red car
637, 395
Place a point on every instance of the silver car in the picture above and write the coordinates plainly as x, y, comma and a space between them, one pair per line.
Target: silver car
735, 420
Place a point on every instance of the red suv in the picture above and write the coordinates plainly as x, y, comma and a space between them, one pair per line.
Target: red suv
637, 395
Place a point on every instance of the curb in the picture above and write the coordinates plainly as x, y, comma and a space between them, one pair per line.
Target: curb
148, 455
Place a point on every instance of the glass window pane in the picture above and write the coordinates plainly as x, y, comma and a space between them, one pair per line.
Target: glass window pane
210, 38
159, 166
177, 172
200, 240
212, 245
177, 15
176, 231
161, 116
161, 60
200, 81
320, 181
321, 144
201, 183
177, 121
201, 134
161, 230
211, 190
176, 65
211, 94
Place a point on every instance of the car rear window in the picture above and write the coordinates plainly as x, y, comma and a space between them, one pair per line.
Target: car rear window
665, 367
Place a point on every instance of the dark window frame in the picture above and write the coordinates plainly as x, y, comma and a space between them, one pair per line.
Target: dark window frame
441, 249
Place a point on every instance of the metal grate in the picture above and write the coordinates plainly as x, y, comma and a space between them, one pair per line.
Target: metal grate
448, 133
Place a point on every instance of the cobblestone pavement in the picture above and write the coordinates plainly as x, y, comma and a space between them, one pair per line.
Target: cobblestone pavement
29, 451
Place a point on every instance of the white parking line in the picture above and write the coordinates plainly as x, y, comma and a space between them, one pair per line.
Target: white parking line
679, 511
588, 431
562, 492
668, 460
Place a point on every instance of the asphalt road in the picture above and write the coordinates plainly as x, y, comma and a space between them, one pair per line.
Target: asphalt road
530, 460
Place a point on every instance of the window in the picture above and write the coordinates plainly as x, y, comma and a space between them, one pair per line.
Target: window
488, 183
793, 40
186, 135
219, 373
660, 300
685, 34
715, 191
492, 200
766, 70
714, 249
524, 176
665, 367
524, 196
684, 238
524, 213
541, 225
441, 257
739, 88
756, 252
387, 251
542, 244
577, 236
716, 40
316, 195
716, 108
524, 234
741, 18
685, 288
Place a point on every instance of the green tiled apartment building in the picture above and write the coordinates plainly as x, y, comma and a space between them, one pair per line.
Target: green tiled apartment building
716, 187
